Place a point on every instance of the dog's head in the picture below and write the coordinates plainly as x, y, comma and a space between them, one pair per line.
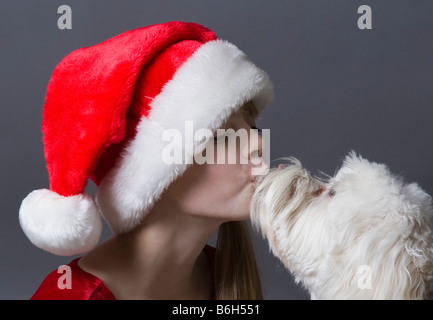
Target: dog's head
364, 221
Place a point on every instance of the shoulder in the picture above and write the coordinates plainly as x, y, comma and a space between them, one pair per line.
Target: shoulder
70, 282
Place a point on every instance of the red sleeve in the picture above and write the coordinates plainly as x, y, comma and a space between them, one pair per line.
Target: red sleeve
84, 286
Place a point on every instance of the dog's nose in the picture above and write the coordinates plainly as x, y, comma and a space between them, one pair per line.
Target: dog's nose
282, 166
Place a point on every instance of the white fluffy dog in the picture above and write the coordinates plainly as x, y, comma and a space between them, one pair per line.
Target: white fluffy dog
362, 234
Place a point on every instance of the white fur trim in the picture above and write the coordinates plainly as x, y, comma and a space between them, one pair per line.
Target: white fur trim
210, 86
60, 225
134, 186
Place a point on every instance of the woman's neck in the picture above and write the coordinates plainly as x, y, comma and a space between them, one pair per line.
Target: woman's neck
163, 258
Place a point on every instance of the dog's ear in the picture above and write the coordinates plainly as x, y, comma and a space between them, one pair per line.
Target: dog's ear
409, 263
417, 212
291, 190
306, 185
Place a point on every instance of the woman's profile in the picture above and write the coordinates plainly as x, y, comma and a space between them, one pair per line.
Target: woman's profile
105, 114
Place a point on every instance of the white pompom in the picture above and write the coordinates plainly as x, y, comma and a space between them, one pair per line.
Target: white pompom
63, 226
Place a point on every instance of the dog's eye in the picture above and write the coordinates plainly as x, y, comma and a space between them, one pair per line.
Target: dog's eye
331, 192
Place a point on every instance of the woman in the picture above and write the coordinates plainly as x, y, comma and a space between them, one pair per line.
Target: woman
107, 111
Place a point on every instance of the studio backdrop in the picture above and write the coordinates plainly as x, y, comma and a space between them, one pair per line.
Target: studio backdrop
348, 75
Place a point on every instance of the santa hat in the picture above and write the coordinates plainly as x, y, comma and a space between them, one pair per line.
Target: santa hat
105, 111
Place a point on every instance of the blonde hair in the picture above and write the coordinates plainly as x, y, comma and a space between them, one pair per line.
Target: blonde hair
251, 108
236, 271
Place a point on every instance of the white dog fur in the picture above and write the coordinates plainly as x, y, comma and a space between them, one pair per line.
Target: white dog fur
362, 234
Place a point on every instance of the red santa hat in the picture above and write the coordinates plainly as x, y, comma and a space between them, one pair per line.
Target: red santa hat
105, 111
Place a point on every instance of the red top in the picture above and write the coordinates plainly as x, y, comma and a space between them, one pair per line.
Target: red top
85, 286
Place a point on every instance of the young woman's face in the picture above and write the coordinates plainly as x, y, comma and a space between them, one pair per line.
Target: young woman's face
223, 190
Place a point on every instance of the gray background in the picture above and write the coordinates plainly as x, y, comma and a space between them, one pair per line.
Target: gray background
338, 89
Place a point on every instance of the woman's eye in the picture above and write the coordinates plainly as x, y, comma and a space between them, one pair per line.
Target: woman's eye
220, 138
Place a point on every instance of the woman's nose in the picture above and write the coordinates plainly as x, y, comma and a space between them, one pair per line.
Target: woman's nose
257, 146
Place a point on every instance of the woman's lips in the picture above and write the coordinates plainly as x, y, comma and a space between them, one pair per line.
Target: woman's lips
254, 180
